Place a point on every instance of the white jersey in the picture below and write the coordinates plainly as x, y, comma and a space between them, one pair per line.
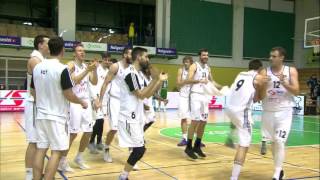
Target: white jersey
278, 97
51, 103
185, 89
201, 73
116, 81
131, 106
81, 90
37, 54
101, 74
242, 92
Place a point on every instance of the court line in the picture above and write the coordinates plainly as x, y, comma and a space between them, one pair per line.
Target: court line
60, 172
308, 177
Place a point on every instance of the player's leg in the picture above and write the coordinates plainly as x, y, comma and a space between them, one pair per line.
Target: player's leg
131, 135
184, 114
31, 136
114, 111
264, 124
204, 110
281, 132
92, 145
100, 122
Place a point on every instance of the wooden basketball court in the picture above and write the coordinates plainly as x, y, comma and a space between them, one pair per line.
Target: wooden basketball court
163, 159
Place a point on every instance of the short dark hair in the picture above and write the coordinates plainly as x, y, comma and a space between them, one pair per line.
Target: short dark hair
281, 51
105, 55
255, 64
39, 39
113, 60
126, 50
77, 45
202, 50
137, 51
187, 58
56, 45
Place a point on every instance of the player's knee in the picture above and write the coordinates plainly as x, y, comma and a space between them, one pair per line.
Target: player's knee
136, 155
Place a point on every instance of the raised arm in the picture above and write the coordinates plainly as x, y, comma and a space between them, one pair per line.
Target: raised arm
291, 85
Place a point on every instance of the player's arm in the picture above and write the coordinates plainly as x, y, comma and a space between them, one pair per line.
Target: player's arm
191, 72
291, 85
76, 79
179, 81
32, 89
32, 62
111, 73
217, 85
93, 76
261, 90
66, 85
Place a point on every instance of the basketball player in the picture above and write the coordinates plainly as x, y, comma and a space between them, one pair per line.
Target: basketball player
40, 51
114, 77
238, 107
80, 119
133, 91
184, 105
98, 113
199, 74
277, 103
53, 90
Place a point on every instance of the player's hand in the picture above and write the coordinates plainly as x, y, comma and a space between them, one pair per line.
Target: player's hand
283, 79
146, 107
84, 104
93, 65
165, 101
163, 76
154, 72
204, 81
71, 67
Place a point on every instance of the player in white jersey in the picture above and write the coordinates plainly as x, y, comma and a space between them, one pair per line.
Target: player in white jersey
131, 114
53, 91
114, 77
277, 103
80, 119
98, 112
199, 74
40, 51
184, 97
238, 107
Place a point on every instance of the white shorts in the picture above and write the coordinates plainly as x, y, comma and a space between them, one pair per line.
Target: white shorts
130, 134
52, 134
29, 121
113, 112
184, 107
276, 125
81, 119
243, 122
199, 107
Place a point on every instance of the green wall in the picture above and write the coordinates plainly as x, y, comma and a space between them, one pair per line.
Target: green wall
198, 24
265, 29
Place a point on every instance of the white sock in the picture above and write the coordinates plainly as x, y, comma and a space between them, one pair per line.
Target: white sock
29, 173
124, 174
63, 159
277, 171
236, 171
184, 136
278, 154
79, 155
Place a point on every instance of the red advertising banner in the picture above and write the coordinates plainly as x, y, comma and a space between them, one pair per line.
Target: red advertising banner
12, 100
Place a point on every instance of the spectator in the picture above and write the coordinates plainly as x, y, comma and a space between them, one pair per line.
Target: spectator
2, 87
312, 83
131, 34
149, 35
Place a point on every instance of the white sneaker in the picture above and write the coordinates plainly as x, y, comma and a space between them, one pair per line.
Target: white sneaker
81, 163
100, 147
65, 167
107, 156
92, 149
136, 167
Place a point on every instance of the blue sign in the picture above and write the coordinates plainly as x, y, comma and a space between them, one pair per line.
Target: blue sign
10, 40
70, 44
116, 48
166, 52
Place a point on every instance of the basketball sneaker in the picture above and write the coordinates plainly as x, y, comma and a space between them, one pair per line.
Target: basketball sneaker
65, 167
92, 148
183, 142
190, 153
100, 146
280, 176
81, 163
199, 152
107, 156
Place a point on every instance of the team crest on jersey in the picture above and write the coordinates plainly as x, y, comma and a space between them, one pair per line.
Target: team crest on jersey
272, 93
